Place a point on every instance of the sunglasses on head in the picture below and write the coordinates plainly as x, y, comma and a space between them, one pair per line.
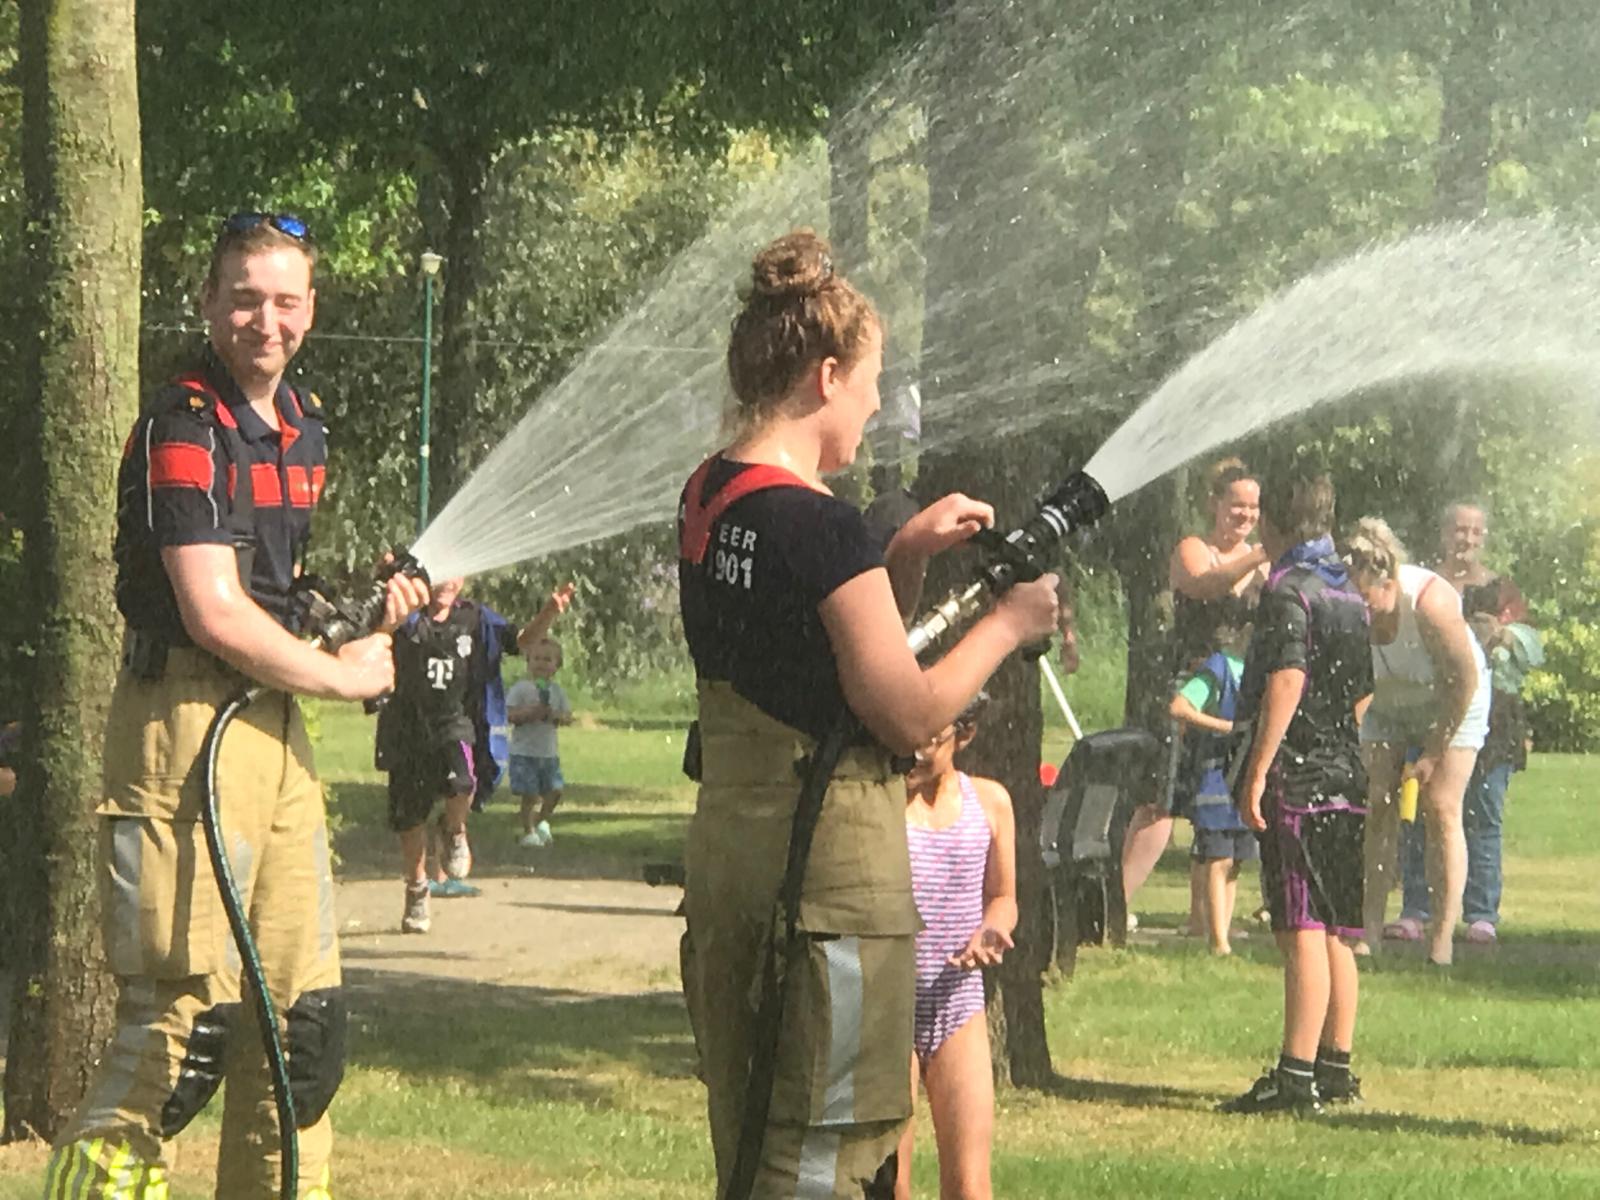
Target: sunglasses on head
286, 223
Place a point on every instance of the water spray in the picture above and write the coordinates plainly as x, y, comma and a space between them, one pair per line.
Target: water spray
1021, 556
329, 623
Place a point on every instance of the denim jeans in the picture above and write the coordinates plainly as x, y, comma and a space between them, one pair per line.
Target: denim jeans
1483, 810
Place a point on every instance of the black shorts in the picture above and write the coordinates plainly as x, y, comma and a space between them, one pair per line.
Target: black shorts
419, 780
1311, 869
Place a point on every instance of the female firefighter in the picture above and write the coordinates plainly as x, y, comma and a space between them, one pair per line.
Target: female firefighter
793, 612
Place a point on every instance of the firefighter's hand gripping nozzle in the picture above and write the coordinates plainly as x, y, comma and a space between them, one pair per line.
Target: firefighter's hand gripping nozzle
331, 622
1018, 557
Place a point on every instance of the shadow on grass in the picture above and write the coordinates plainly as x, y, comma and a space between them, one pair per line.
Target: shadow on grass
1125, 1095
1455, 1127
1558, 964
1157, 1096
515, 1044
593, 839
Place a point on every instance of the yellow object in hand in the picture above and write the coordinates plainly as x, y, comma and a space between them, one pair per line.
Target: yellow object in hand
1409, 790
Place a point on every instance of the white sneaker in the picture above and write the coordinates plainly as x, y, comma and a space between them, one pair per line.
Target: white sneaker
416, 919
531, 838
543, 830
456, 853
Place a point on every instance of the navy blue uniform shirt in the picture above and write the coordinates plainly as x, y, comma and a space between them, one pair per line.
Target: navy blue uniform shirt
177, 484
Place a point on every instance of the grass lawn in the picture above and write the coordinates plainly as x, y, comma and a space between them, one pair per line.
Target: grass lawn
1483, 1083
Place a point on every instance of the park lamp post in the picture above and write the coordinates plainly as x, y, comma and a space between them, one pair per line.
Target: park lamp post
431, 263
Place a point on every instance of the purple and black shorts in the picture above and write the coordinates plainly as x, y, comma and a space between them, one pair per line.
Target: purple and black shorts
1311, 867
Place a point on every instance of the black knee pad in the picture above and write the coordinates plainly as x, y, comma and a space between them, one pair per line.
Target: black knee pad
200, 1072
316, 1023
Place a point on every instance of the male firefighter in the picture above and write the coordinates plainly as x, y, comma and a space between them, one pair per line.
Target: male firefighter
215, 494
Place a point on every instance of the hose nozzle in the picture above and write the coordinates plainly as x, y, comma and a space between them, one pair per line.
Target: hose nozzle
332, 622
1021, 556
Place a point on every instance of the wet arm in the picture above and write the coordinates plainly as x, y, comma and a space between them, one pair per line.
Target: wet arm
1183, 711
902, 705
1192, 572
222, 619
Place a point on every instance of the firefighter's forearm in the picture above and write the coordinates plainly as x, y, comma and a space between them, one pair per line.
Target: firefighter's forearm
223, 620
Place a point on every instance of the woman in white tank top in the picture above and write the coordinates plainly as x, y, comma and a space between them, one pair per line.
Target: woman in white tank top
1431, 697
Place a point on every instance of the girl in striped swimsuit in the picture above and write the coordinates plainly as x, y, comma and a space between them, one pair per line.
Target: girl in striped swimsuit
963, 870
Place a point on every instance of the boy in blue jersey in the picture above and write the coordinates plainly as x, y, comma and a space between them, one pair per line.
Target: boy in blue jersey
1307, 682
1205, 706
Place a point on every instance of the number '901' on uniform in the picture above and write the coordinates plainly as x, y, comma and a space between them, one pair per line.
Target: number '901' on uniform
759, 551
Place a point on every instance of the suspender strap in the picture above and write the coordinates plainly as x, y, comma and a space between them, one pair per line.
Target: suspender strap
700, 513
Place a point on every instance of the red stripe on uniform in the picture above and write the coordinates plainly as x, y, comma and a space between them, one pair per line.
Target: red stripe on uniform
299, 487
264, 482
181, 464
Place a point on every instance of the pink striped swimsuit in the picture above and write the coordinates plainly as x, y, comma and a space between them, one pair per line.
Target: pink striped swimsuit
947, 869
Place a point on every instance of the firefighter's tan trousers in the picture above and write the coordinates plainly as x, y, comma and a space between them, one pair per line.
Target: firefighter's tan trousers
183, 1021
841, 1093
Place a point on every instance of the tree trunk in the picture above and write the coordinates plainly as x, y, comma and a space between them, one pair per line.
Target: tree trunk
1466, 118
81, 173
1461, 181
456, 401
849, 217
849, 205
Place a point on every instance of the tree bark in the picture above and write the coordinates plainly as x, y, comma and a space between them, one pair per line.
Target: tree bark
1466, 118
456, 401
979, 210
82, 178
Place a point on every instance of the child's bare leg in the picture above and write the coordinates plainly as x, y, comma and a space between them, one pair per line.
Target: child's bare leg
1305, 990
548, 808
1380, 847
1230, 896
1344, 985
1197, 898
455, 812
1149, 831
413, 854
960, 1085
527, 803
1221, 874
908, 1141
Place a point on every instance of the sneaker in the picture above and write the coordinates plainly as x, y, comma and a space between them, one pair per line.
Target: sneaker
455, 853
1482, 933
1406, 929
543, 830
1133, 922
1339, 1087
1271, 1093
416, 919
531, 838
452, 889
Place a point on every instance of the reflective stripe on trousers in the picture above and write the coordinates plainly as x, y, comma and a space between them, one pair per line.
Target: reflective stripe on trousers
819, 1153
101, 1170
